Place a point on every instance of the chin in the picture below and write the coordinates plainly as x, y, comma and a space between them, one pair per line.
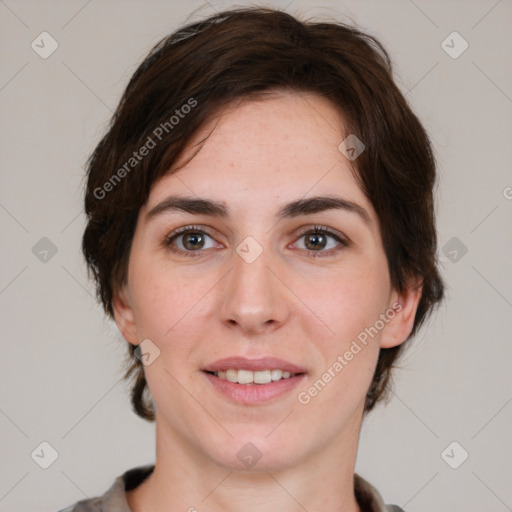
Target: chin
256, 452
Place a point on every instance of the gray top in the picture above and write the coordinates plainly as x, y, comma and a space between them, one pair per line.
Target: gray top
114, 500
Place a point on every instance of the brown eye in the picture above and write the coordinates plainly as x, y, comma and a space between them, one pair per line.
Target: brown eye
193, 241
321, 241
315, 241
189, 240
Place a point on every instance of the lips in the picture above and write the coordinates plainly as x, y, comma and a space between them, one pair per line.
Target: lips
254, 365
254, 381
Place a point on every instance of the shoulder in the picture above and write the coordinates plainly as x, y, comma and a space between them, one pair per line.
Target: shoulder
114, 499
369, 499
87, 505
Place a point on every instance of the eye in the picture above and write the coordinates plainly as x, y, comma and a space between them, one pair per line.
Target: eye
189, 239
317, 241
320, 239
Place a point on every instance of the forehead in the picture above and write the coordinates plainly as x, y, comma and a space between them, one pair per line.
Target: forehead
260, 153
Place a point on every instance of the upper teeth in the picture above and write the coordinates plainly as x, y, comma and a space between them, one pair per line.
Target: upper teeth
249, 377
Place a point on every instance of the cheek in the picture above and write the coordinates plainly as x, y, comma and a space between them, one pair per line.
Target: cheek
347, 355
351, 299
170, 310
349, 302
168, 304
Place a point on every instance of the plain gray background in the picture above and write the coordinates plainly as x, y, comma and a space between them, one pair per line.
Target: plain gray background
60, 359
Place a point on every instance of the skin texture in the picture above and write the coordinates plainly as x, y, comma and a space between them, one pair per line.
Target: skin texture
307, 310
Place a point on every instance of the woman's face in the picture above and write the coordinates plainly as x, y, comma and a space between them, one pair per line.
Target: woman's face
264, 275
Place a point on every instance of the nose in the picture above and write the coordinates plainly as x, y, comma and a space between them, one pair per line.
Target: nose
255, 299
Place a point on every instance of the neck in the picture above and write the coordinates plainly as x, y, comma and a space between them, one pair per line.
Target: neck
184, 480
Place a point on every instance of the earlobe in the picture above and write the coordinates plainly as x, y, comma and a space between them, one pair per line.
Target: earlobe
124, 315
401, 322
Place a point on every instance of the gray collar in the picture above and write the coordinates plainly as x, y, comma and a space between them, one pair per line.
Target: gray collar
114, 500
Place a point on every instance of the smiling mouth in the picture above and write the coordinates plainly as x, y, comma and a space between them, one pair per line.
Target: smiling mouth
253, 377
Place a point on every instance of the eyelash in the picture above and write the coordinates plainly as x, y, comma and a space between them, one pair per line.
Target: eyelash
317, 229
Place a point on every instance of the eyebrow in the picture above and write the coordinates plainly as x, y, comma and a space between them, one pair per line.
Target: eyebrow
297, 208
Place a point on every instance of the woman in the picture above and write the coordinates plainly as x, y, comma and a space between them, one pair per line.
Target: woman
261, 228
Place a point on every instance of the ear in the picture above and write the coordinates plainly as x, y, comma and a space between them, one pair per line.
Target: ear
124, 315
401, 314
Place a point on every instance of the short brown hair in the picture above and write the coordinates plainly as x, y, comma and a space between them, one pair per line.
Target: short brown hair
239, 54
